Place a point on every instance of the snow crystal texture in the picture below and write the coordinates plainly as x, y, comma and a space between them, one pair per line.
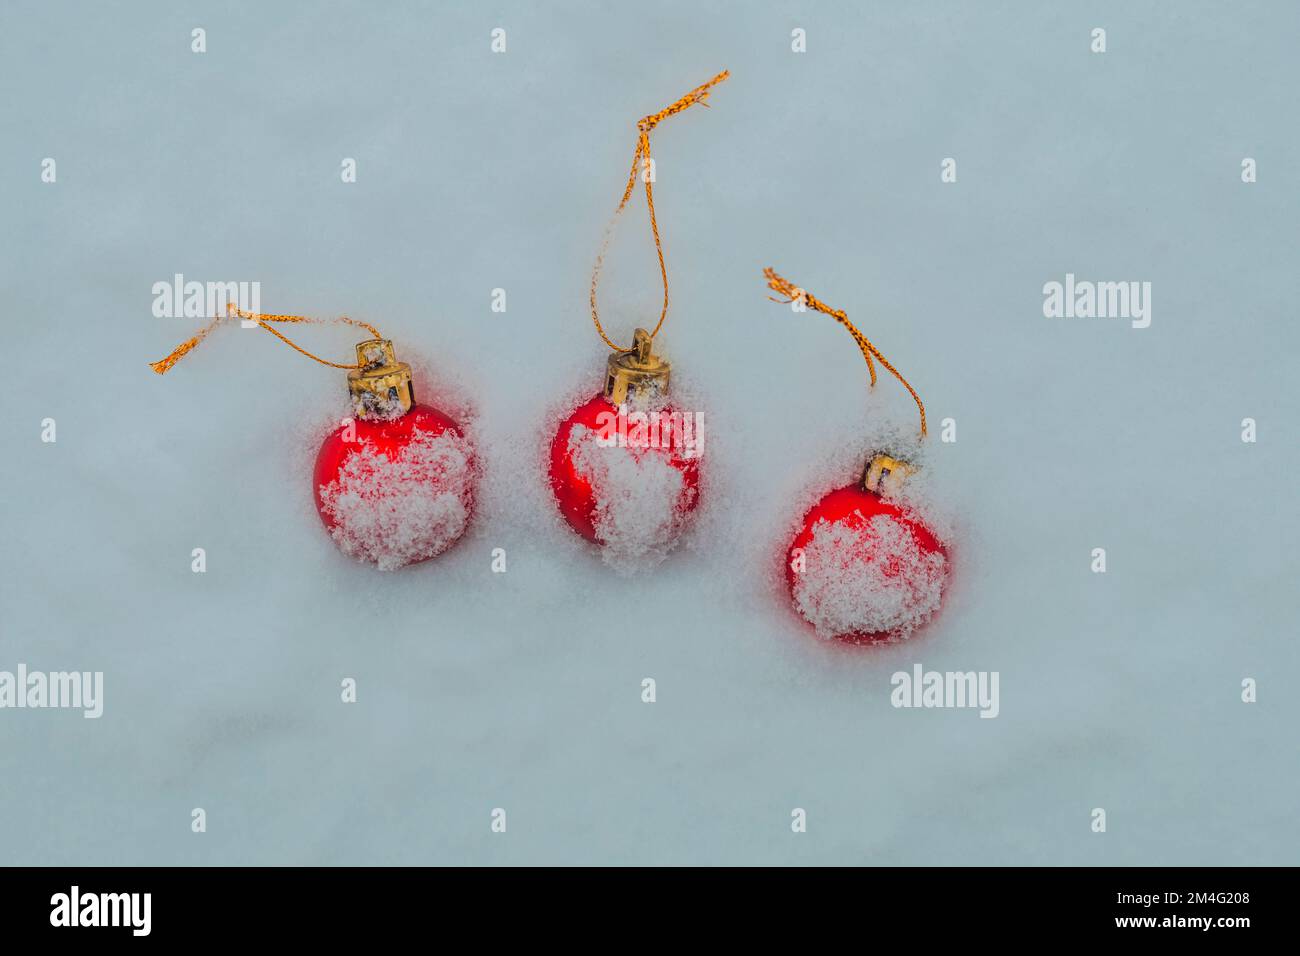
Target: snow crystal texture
868, 577
393, 512
640, 505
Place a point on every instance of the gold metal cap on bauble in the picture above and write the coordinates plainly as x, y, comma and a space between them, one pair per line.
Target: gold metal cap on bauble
381, 387
636, 373
885, 475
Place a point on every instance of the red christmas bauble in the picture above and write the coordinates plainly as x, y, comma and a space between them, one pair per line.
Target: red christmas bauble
396, 491
626, 479
864, 569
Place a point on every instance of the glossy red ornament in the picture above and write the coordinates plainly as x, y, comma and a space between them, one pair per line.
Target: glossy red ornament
865, 570
394, 484
396, 491
576, 459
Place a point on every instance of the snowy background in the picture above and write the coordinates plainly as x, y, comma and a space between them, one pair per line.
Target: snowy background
523, 690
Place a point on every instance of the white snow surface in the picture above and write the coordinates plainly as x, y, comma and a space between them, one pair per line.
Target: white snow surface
522, 688
868, 577
396, 511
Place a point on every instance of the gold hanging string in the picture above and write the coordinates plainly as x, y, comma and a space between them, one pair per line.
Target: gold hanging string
641, 160
793, 293
161, 367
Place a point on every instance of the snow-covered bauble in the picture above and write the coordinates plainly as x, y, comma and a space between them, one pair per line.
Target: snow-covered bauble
395, 485
625, 465
864, 567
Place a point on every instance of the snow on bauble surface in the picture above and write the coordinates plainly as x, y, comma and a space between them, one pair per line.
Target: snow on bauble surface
871, 571
402, 492
633, 492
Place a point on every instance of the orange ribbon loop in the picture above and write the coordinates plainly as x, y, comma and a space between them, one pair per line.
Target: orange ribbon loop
162, 366
793, 293
641, 160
